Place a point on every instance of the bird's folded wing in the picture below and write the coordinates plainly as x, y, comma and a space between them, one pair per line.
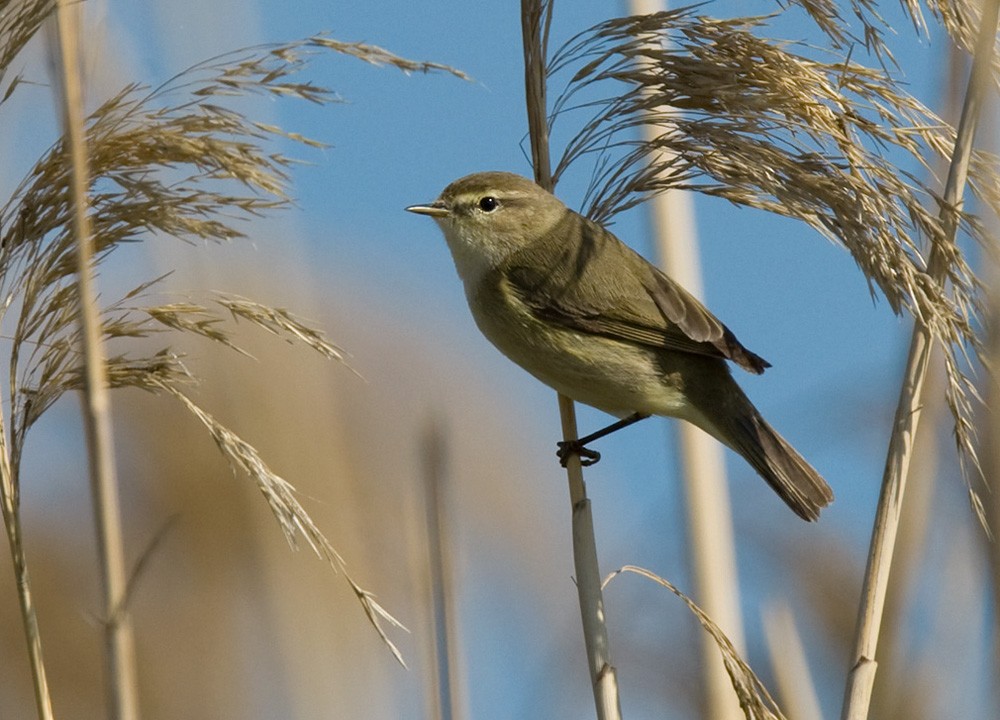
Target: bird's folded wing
586, 290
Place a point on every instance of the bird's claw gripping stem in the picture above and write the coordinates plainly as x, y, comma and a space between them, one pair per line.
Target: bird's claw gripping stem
568, 448
588, 457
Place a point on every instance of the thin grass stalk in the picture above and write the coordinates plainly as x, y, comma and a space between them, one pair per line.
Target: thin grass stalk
861, 678
536, 15
789, 663
711, 548
118, 642
603, 675
446, 699
9, 501
890, 698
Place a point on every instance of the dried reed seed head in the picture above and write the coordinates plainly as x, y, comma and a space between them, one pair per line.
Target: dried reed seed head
169, 161
728, 113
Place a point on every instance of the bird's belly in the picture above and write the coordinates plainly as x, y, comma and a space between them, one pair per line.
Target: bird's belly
617, 377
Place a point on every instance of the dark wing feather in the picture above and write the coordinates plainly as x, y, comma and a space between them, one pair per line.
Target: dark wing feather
584, 288
683, 309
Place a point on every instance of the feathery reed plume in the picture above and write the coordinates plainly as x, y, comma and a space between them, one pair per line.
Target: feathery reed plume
293, 518
19, 23
959, 18
747, 119
829, 18
165, 161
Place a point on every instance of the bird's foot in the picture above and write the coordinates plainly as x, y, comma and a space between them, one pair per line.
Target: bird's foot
569, 448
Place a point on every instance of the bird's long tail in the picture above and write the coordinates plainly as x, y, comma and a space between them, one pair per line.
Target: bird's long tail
794, 479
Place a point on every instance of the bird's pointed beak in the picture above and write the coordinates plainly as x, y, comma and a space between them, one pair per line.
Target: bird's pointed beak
435, 209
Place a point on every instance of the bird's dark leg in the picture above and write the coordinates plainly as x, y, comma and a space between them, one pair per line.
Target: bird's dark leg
588, 457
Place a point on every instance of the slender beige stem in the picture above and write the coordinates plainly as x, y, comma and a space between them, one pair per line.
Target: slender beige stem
700, 458
790, 665
711, 546
861, 678
603, 676
447, 703
535, 17
119, 651
29, 618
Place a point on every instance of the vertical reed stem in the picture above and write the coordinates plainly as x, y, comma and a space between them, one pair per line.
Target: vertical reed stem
446, 702
711, 549
10, 503
535, 18
118, 644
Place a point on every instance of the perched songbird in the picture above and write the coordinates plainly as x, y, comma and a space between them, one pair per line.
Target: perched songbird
582, 312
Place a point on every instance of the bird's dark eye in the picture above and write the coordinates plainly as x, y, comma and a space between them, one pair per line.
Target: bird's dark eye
489, 204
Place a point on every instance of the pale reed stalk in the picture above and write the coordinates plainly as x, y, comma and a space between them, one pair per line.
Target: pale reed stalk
789, 663
535, 17
118, 643
10, 503
444, 647
700, 458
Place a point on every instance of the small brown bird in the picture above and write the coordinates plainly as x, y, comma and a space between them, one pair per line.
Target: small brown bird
570, 303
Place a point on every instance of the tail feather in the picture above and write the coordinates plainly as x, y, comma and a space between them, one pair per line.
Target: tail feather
787, 472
